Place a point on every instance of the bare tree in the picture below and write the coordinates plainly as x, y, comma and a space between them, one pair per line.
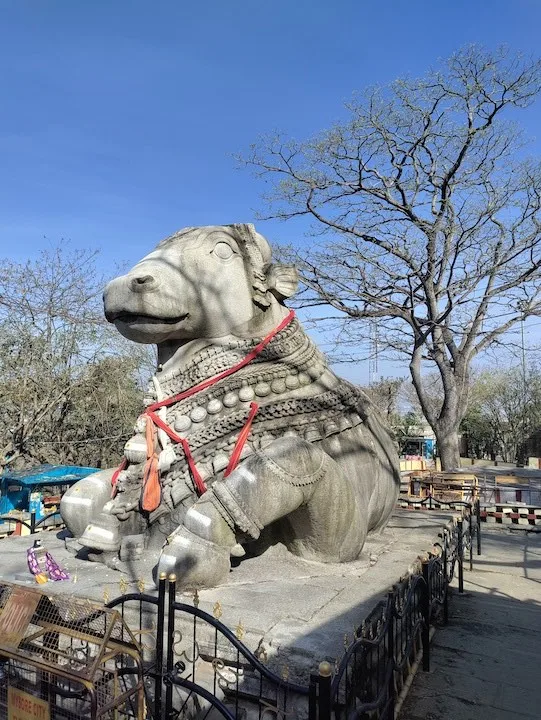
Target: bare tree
428, 215
67, 380
385, 396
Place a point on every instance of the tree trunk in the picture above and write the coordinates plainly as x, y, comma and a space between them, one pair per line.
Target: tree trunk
448, 447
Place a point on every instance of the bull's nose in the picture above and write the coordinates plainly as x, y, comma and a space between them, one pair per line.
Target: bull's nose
143, 283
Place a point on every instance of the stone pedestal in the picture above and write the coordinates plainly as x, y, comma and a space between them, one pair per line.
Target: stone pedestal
296, 612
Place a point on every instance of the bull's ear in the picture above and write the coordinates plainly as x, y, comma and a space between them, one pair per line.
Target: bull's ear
282, 280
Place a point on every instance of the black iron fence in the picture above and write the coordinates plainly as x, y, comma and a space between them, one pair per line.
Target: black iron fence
31, 523
371, 676
468, 525
195, 666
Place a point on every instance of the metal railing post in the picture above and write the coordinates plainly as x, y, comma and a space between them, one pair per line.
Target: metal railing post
425, 609
460, 542
324, 694
32, 523
170, 646
478, 516
158, 687
391, 649
446, 584
470, 530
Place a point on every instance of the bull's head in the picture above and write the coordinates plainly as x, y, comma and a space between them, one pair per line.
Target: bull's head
199, 283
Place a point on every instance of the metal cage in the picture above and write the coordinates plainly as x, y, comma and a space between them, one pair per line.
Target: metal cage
65, 657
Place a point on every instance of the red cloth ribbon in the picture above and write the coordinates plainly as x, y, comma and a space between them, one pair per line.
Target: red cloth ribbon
211, 381
151, 494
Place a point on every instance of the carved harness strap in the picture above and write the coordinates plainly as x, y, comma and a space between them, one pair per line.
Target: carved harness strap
151, 492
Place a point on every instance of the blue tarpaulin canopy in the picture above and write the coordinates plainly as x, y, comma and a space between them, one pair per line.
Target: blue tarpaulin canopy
16, 485
47, 475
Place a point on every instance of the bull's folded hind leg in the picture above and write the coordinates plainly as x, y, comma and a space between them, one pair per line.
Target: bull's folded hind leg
327, 525
292, 481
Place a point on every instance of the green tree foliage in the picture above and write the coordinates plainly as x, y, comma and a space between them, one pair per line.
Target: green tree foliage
504, 412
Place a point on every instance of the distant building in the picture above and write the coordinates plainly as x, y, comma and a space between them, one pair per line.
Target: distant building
420, 442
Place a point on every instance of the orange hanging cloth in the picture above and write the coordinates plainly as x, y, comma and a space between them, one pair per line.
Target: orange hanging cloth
199, 483
151, 495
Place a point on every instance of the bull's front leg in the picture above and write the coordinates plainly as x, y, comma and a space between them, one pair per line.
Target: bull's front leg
291, 479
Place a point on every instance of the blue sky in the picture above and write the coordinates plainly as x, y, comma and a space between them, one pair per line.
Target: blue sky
119, 118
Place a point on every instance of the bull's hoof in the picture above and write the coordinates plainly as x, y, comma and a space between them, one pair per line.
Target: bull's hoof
197, 563
102, 533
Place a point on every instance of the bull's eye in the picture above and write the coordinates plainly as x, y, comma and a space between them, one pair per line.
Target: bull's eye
223, 251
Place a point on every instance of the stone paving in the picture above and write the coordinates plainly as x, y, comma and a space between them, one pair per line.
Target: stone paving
486, 664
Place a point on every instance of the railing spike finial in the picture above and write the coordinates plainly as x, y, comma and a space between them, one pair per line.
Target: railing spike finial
217, 610
325, 669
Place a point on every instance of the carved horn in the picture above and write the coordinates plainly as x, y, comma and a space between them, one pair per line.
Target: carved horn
258, 254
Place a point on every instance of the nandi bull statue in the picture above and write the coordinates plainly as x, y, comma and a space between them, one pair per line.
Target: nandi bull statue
247, 434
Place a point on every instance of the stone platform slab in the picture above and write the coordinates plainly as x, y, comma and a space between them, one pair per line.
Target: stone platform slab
297, 611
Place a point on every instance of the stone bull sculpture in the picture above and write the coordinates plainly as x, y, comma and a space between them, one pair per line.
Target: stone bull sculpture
247, 433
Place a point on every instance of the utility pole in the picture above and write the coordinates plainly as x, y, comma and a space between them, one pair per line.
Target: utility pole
523, 391
373, 353
522, 451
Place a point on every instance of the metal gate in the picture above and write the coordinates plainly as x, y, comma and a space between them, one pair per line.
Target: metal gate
193, 663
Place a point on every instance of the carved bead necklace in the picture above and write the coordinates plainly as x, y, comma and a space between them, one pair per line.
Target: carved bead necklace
151, 492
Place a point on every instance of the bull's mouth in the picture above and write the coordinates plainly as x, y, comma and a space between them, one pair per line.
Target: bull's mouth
138, 319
